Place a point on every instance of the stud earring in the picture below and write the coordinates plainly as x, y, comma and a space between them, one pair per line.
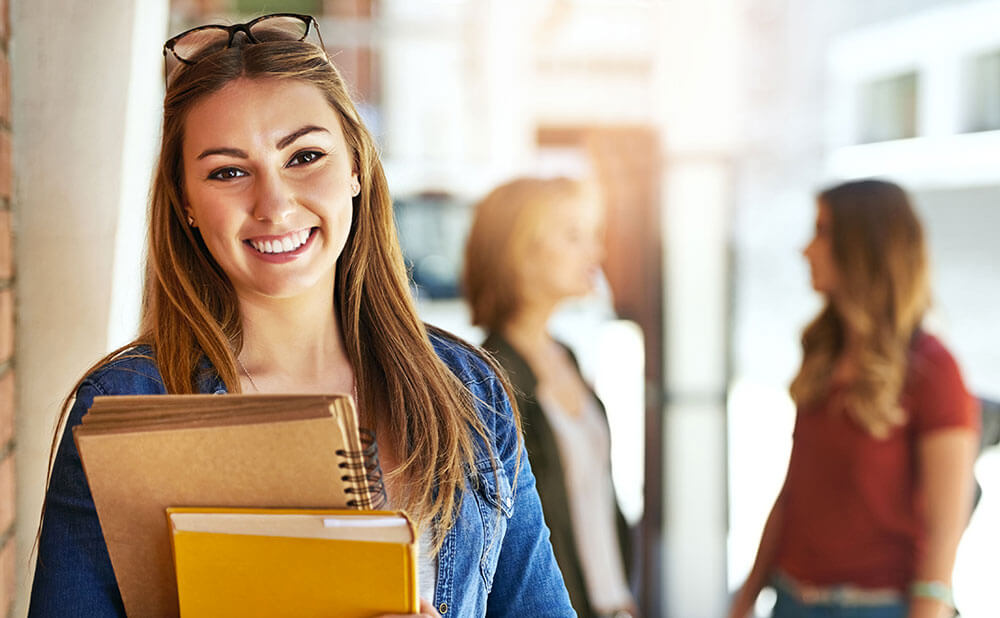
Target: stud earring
355, 188
191, 221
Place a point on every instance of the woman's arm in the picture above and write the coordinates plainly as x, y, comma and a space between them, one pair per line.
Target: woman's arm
527, 580
746, 596
73, 575
945, 460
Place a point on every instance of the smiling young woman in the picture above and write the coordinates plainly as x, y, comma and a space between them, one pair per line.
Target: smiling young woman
273, 266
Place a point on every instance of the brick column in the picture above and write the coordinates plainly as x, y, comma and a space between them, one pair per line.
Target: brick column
357, 63
7, 486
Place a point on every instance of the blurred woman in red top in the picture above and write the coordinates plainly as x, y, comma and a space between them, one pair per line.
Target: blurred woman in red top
880, 476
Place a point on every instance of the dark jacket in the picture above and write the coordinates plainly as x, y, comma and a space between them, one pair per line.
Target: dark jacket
543, 453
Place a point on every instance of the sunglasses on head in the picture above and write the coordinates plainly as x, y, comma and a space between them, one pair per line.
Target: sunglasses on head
192, 45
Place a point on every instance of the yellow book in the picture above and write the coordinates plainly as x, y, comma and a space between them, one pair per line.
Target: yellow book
293, 562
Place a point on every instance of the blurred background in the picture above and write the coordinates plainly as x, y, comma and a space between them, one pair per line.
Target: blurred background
709, 124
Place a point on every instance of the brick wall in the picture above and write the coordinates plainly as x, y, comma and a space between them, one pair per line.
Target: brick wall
358, 65
7, 496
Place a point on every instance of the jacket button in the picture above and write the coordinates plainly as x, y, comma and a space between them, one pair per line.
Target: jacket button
443, 609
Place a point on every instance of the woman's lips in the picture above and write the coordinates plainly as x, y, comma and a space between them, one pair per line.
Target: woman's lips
282, 248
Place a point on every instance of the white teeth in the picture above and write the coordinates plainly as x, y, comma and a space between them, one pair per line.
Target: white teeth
290, 242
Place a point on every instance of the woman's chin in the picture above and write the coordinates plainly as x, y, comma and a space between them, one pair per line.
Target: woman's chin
821, 288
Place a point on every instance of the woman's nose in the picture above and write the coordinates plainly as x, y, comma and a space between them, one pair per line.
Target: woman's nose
808, 248
274, 200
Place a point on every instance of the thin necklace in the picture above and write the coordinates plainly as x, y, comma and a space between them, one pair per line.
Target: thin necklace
354, 385
247, 374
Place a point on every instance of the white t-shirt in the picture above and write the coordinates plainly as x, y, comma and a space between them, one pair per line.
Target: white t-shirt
427, 566
585, 449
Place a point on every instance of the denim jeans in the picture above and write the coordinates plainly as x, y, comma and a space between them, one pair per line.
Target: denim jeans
788, 606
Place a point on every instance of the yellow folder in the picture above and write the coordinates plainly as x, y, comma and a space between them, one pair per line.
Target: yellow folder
293, 562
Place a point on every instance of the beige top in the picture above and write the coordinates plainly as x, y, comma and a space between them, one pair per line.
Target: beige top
427, 566
585, 450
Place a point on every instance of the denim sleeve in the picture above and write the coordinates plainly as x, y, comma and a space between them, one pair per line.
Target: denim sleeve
528, 581
73, 576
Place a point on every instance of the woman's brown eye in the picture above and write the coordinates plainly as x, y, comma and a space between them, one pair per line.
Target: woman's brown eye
305, 158
227, 173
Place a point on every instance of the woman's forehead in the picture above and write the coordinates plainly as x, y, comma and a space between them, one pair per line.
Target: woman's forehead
259, 110
581, 206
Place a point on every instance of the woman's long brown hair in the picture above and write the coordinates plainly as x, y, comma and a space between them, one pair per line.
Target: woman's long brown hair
882, 295
190, 312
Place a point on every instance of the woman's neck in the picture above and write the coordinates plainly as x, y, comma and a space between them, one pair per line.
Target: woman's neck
293, 345
528, 330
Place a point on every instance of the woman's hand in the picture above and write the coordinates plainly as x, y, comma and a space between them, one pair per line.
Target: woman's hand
746, 597
929, 608
426, 611
742, 605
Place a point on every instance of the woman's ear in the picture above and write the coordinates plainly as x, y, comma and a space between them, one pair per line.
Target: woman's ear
190, 216
355, 184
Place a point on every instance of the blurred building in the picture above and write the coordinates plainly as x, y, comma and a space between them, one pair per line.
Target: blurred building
709, 124
905, 90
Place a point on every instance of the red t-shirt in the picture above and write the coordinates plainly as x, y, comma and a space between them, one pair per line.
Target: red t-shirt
850, 500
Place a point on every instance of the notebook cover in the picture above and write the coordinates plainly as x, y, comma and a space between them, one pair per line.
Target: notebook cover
136, 474
225, 575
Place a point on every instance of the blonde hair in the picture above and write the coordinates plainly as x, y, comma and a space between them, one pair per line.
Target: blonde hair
505, 223
883, 292
190, 311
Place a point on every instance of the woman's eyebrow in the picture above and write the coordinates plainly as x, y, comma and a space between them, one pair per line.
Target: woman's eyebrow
291, 137
282, 143
232, 152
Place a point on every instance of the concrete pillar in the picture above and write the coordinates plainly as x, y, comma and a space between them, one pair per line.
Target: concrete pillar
87, 80
695, 446
701, 77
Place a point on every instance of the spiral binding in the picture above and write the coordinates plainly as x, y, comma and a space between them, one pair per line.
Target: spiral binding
366, 474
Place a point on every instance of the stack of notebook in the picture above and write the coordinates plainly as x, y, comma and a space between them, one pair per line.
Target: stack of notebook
197, 454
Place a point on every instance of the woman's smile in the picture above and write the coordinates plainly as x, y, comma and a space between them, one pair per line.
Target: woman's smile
283, 247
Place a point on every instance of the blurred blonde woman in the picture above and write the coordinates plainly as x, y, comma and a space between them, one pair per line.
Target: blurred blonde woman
879, 481
535, 243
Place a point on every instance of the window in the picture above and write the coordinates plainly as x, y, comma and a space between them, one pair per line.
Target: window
888, 109
432, 231
983, 90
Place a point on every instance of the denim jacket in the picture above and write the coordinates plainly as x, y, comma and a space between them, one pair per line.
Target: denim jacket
496, 560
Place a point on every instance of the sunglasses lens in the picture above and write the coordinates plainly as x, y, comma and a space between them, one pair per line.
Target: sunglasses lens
280, 28
198, 43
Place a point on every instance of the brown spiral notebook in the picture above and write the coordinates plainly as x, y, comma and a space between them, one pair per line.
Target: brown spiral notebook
144, 454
